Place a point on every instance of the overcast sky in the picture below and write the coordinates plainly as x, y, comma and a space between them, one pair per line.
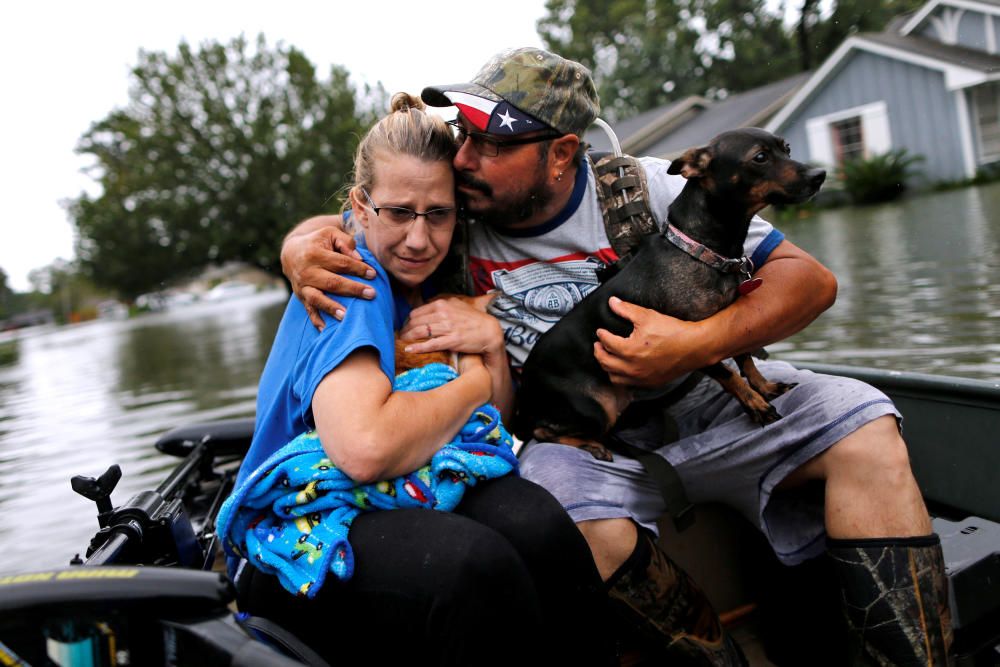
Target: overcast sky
65, 64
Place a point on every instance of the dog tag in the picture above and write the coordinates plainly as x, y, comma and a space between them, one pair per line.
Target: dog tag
748, 286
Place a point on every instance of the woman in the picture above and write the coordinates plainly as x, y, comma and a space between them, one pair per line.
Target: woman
428, 587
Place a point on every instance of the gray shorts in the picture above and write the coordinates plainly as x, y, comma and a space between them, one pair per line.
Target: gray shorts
722, 456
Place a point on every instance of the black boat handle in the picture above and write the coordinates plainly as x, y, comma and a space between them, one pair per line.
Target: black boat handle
99, 490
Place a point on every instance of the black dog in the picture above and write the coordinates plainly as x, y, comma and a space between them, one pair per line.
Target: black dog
691, 271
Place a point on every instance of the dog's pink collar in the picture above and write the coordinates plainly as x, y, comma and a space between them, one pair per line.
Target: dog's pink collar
703, 253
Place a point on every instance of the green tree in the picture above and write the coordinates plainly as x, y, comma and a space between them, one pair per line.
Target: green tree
645, 53
849, 17
747, 45
648, 52
218, 152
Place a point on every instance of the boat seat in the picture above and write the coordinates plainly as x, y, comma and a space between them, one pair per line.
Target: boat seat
223, 437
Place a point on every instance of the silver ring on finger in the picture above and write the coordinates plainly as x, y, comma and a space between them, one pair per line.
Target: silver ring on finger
429, 333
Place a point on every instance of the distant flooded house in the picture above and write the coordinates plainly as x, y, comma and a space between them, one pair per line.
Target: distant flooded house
929, 84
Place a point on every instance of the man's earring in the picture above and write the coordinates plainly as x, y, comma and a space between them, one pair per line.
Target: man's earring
559, 177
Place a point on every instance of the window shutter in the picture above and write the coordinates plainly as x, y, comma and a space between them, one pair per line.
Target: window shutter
820, 142
875, 128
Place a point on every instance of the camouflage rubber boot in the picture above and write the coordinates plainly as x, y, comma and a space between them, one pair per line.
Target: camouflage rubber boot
659, 600
895, 598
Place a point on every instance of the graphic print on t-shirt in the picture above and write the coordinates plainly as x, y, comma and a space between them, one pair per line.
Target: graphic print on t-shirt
535, 295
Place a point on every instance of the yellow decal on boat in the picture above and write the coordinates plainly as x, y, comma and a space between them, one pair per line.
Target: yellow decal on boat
10, 659
28, 578
81, 573
100, 573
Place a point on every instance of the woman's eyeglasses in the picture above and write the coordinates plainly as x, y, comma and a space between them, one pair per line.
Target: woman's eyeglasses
400, 216
488, 145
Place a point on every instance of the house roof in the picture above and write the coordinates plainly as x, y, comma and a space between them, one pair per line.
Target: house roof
947, 53
746, 109
648, 124
961, 67
916, 18
669, 129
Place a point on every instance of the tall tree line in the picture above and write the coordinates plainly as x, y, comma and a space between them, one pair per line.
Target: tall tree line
220, 149
645, 53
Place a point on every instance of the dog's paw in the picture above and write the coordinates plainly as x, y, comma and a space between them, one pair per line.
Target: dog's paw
765, 416
599, 452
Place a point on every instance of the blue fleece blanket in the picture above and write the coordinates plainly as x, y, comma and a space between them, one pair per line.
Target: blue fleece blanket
292, 515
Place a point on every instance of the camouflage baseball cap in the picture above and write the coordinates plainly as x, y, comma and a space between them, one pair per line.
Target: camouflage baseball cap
524, 90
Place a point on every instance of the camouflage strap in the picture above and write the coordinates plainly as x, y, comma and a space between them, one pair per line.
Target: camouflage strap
622, 192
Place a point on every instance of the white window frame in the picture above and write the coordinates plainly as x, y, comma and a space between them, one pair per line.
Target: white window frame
983, 157
875, 132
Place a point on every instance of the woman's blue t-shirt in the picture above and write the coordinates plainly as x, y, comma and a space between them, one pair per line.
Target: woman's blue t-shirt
301, 357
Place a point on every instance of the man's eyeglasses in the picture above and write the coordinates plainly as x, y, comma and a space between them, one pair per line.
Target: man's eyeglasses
489, 146
400, 216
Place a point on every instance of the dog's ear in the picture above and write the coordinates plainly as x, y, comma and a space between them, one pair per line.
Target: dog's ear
692, 164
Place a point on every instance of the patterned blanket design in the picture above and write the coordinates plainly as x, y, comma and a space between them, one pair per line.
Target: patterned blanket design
292, 515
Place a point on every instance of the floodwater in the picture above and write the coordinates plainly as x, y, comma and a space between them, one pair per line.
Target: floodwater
76, 399
918, 287
916, 293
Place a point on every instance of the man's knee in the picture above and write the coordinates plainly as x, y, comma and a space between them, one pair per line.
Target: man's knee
568, 473
877, 443
876, 451
611, 542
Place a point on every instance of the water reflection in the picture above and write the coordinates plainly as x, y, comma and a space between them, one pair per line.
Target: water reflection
81, 398
916, 288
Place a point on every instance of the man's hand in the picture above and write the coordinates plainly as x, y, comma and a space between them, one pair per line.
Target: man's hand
315, 257
795, 290
659, 349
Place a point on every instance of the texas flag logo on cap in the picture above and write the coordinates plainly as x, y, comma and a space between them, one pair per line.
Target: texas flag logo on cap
493, 117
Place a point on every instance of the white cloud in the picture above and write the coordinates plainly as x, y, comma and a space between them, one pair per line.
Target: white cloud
64, 65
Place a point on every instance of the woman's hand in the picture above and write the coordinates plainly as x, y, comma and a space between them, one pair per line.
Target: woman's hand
315, 257
456, 324
461, 324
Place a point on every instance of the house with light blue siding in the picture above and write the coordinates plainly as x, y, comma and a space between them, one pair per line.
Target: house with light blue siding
930, 84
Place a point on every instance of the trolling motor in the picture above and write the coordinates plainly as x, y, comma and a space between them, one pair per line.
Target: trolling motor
157, 527
152, 528
116, 607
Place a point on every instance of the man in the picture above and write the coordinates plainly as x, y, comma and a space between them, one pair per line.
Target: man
536, 236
